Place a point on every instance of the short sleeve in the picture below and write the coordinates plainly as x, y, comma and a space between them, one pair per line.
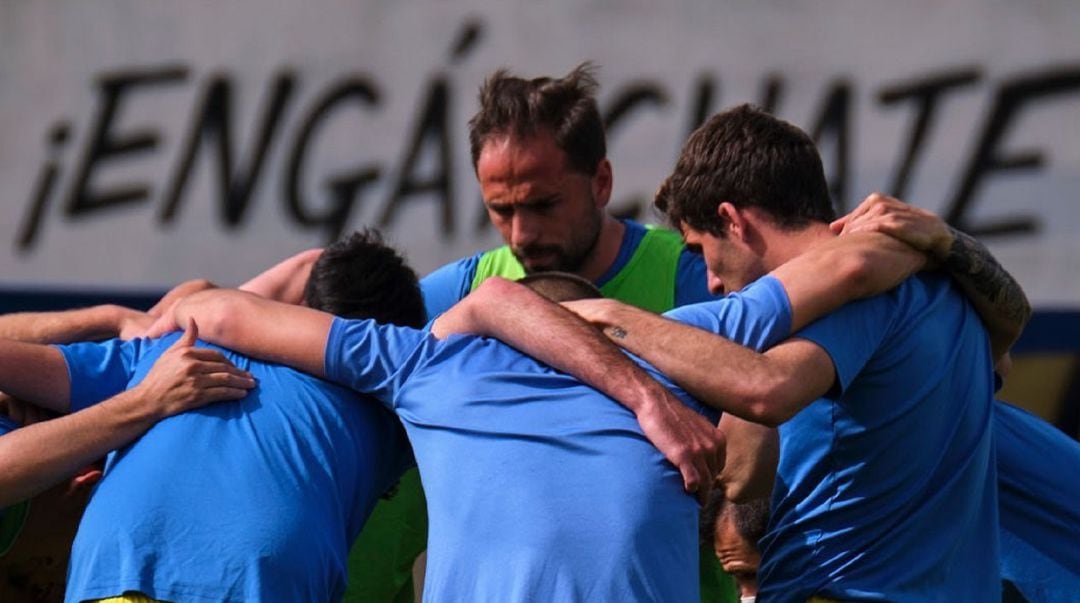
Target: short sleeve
98, 371
759, 316
691, 283
372, 358
852, 334
448, 285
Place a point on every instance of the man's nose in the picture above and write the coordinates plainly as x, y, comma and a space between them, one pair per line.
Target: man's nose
523, 231
715, 284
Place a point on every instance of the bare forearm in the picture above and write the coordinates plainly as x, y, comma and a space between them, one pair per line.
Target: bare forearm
39, 456
687, 355
35, 372
558, 338
259, 327
552, 335
763, 388
752, 454
97, 322
842, 270
996, 296
286, 281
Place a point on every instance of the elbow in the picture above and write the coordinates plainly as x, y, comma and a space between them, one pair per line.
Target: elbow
762, 413
497, 289
495, 294
763, 403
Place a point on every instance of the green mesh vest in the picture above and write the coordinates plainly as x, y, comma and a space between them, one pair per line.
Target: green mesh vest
646, 281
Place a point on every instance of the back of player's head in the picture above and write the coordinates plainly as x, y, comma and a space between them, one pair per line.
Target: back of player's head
361, 277
750, 518
748, 158
565, 107
561, 286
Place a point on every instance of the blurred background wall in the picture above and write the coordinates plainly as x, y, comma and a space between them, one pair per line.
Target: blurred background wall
145, 143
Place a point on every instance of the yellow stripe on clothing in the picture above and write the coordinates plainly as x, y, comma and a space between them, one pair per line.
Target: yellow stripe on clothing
128, 597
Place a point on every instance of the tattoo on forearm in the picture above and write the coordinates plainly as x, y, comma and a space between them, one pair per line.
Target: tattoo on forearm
971, 262
618, 332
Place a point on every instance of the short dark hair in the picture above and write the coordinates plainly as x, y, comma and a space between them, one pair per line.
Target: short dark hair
520, 108
751, 518
561, 286
750, 159
362, 277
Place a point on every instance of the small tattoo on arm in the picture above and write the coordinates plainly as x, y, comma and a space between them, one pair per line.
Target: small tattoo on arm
618, 332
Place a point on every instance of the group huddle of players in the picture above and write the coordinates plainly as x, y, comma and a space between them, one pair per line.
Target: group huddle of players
566, 425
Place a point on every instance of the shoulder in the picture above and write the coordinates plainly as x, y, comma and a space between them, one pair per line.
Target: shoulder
449, 284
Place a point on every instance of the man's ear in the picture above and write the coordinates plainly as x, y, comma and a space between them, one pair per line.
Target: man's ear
733, 219
602, 183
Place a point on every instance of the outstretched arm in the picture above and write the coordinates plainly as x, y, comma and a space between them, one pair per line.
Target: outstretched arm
546, 331
32, 371
184, 377
994, 293
753, 451
285, 281
817, 282
255, 326
84, 324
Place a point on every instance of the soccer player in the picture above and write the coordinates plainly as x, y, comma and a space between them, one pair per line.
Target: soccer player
258, 500
539, 152
732, 531
886, 485
48, 465
540, 488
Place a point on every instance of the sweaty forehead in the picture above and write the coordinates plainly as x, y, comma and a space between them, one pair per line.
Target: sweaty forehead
511, 157
515, 170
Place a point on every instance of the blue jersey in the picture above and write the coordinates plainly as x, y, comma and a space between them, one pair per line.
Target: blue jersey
539, 487
1039, 499
450, 284
238, 501
886, 487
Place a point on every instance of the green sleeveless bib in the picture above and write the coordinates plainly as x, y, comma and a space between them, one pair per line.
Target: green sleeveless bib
646, 281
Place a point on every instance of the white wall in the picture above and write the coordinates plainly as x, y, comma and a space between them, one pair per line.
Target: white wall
1018, 61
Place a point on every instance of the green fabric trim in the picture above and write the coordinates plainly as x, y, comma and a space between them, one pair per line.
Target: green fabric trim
381, 559
497, 262
648, 279
716, 585
12, 520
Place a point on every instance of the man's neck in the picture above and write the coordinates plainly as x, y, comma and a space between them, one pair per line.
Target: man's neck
783, 245
605, 251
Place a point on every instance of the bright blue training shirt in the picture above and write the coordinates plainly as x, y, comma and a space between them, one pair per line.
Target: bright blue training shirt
258, 499
1039, 499
886, 488
539, 488
450, 284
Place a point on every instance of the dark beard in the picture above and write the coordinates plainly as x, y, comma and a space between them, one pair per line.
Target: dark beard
563, 261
